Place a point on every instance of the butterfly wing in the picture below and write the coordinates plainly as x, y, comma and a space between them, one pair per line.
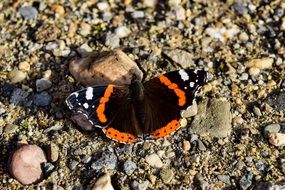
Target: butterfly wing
99, 104
166, 96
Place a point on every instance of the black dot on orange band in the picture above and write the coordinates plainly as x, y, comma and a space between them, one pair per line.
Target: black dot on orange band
116, 135
109, 132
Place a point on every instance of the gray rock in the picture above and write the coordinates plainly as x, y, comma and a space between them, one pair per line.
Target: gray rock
129, 167
138, 14
246, 181
112, 40
271, 128
240, 7
269, 186
48, 168
139, 186
183, 58
73, 164
43, 84
213, 119
18, 96
166, 175
10, 128
42, 99
201, 145
108, 160
224, 178
257, 111
86, 159
28, 12
277, 100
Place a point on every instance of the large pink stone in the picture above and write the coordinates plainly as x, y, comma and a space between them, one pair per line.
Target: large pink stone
25, 164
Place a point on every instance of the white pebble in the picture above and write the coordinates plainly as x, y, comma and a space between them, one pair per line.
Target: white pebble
154, 160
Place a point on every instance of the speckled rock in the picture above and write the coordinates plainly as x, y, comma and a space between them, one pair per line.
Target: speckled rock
107, 160
18, 96
140, 186
276, 139
154, 160
183, 58
213, 118
264, 63
25, 164
166, 175
113, 67
271, 128
42, 99
43, 84
17, 76
276, 99
129, 167
103, 183
28, 12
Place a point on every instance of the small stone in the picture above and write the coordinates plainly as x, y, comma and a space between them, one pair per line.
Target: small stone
276, 139
28, 12
166, 175
47, 74
86, 159
183, 122
154, 161
103, 183
276, 99
140, 186
257, 111
243, 37
137, 14
85, 29
253, 71
10, 128
122, 31
84, 49
264, 63
150, 3
186, 145
24, 66
25, 164
42, 99
213, 118
244, 77
43, 84
58, 9
271, 128
246, 181
16, 76
48, 168
179, 12
103, 6
190, 111
194, 137
183, 58
52, 152
112, 40
108, 160
151, 178
18, 96
73, 164
113, 67
224, 178
201, 145
129, 167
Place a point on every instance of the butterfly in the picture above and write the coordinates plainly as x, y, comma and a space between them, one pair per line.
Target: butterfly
139, 111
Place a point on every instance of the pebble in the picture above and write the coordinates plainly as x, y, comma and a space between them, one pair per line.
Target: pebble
42, 99
225, 178
129, 167
137, 14
244, 77
213, 118
190, 111
246, 181
16, 76
103, 6
264, 63
269, 186
48, 168
108, 160
154, 161
181, 57
24, 66
201, 145
276, 139
113, 67
194, 137
10, 128
25, 164
253, 71
277, 100
122, 31
257, 111
271, 128
86, 159
166, 175
43, 84
84, 49
140, 186
28, 12
150, 3
186, 146
18, 96
112, 40
179, 12
103, 183
73, 164
85, 29
52, 152
243, 37
58, 9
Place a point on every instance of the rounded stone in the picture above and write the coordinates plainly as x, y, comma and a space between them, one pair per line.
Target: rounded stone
42, 99
154, 160
166, 175
271, 128
52, 152
16, 76
25, 164
43, 84
103, 183
24, 66
129, 167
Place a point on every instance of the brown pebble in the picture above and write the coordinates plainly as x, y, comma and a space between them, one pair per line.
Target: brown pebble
25, 164
58, 9
113, 67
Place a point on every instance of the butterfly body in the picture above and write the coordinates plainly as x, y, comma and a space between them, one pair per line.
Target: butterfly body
149, 110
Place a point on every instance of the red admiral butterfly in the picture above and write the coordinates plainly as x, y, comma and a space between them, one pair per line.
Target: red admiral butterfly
149, 110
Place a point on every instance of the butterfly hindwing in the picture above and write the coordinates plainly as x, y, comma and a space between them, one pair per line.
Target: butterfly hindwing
99, 104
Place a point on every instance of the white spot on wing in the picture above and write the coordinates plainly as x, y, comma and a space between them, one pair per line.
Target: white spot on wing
89, 93
183, 75
85, 105
75, 94
192, 84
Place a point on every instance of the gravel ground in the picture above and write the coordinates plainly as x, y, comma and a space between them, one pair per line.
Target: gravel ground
239, 143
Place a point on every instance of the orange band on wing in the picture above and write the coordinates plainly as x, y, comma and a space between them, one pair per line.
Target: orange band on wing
101, 108
180, 93
116, 135
166, 130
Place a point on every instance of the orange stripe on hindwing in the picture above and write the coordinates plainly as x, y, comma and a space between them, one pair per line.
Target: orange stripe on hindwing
101, 108
166, 130
180, 93
122, 137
